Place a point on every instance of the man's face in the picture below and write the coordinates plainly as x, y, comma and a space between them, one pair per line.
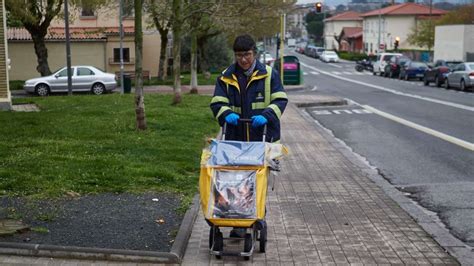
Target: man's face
245, 59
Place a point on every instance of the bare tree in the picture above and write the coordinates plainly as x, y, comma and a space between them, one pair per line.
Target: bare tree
139, 96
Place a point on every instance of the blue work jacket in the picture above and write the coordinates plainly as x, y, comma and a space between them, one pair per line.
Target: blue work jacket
264, 95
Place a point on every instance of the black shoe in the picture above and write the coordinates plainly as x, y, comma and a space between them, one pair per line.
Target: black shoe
238, 232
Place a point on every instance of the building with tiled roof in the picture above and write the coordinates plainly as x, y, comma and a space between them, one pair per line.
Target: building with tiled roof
334, 25
351, 39
395, 21
95, 40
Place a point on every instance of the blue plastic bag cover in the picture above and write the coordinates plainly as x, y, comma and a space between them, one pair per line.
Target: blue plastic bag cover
236, 153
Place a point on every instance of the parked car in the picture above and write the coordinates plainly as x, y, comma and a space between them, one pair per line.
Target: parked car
392, 68
438, 72
266, 58
329, 56
462, 77
319, 52
300, 48
310, 50
381, 61
413, 69
84, 78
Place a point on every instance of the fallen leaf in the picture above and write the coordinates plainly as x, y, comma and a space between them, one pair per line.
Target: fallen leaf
73, 194
160, 221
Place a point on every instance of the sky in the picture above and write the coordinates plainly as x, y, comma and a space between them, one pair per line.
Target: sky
337, 2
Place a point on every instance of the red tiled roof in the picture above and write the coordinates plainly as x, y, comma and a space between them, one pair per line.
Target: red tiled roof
76, 33
349, 15
352, 32
405, 9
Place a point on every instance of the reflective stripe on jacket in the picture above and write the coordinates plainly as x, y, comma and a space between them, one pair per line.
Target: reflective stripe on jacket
264, 95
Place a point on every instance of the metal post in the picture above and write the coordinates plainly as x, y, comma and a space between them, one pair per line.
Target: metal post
121, 47
68, 49
380, 26
431, 25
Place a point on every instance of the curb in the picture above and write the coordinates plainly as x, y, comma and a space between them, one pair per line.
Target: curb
175, 256
460, 251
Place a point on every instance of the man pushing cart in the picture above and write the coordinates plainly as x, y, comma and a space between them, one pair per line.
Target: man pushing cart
248, 102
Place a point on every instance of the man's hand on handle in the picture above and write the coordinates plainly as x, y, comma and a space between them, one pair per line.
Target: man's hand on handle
258, 120
232, 119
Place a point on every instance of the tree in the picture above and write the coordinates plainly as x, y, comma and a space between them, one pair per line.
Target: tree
139, 97
422, 34
160, 12
461, 15
36, 17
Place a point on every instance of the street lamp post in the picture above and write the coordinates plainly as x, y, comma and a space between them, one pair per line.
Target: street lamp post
121, 47
68, 49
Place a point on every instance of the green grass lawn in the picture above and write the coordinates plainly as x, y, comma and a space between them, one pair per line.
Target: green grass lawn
88, 144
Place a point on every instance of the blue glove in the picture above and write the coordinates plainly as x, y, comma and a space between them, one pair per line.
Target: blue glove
258, 120
232, 119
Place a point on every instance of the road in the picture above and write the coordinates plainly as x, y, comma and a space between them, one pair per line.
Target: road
420, 138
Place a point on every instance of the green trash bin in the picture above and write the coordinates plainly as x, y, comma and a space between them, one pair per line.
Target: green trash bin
291, 70
127, 83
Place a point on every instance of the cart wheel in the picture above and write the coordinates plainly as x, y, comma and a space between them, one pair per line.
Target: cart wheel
247, 245
263, 239
216, 238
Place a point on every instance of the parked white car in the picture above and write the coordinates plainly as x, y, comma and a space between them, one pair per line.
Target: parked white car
329, 56
266, 58
462, 77
84, 78
381, 62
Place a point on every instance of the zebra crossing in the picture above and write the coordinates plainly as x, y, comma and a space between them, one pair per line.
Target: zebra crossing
338, 73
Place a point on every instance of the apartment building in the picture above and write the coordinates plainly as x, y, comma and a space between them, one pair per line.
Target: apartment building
333, 27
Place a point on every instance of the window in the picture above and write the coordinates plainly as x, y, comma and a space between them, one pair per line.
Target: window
126, 55
82, 71
128, 8
460, 67
63, 73
87, 12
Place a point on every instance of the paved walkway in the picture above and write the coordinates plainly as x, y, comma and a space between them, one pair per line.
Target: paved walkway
326, 210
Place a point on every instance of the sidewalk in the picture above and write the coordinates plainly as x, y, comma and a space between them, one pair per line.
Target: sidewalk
326, 210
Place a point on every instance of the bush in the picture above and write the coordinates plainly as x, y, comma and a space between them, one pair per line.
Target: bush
352, 56
16, 84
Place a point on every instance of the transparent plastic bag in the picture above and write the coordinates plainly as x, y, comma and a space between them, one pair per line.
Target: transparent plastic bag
233, 194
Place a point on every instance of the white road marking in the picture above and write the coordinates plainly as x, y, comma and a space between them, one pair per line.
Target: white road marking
305, 73
460, 106
348, 73
338, 112
322, 112
361, 111
459, 142
336, 73
314, 73
314, 88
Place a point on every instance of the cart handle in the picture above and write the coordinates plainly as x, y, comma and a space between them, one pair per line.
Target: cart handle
246, 121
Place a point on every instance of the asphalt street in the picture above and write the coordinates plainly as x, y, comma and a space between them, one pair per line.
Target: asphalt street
419, 137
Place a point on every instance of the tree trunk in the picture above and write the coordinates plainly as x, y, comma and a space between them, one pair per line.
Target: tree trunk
41, 54
139, 97
163, 57
194, 56
177, 24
